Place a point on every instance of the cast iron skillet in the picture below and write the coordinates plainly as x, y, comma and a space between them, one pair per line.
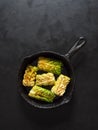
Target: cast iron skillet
67, 70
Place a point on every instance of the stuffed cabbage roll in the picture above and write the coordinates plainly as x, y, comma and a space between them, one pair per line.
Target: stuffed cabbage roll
42, 94
60, 85
29, 76
45, 79
49, 65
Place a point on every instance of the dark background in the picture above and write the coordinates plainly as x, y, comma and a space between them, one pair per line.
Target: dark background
29, 26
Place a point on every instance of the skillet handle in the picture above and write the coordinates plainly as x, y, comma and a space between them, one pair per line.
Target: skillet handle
77, 46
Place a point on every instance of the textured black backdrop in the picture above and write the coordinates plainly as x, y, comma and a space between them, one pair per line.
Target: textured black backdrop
29, 26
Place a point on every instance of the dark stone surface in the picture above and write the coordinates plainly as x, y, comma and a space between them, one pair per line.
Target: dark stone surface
29, 26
